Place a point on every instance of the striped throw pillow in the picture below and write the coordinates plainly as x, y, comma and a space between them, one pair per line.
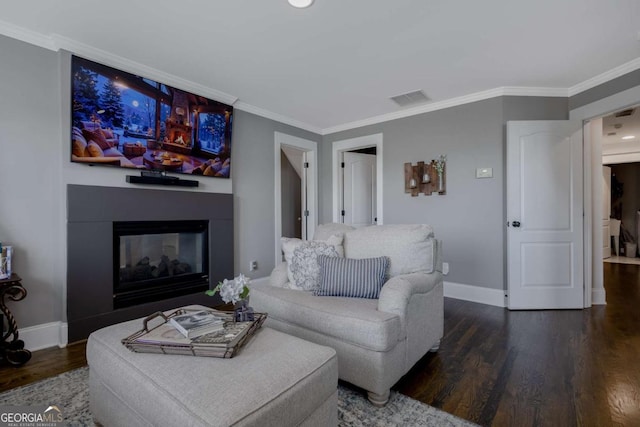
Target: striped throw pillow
355, 278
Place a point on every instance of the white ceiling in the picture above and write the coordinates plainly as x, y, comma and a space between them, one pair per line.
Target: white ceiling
338, 62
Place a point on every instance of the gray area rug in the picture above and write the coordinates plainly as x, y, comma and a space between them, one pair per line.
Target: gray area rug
70, 391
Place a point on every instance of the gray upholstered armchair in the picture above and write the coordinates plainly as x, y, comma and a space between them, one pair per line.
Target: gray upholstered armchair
377, 339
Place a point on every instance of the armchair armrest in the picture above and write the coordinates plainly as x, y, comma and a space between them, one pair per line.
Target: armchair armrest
396, 293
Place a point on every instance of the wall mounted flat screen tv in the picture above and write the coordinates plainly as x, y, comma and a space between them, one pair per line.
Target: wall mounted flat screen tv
125, 120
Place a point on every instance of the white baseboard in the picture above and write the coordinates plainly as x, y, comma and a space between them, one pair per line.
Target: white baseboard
47, 335
598, 297
474, 294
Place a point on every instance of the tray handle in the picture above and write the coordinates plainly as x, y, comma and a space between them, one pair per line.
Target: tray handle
153, 316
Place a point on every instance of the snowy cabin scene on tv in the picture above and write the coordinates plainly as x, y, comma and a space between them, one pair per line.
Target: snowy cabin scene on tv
124, 120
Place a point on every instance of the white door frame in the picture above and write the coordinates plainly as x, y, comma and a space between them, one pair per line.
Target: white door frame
592, 252
374, 140
311, 148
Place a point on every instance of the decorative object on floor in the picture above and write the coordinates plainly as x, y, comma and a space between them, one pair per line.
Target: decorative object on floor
426, 178
13, 350
6, 255
70, 392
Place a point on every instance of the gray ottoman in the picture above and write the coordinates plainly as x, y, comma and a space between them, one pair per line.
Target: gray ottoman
275, 380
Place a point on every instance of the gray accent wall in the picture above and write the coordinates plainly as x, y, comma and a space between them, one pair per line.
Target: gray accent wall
604, 90
30, 180
35, 170
470, 218
254, 189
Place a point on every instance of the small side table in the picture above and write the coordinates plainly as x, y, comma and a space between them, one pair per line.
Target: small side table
13, 350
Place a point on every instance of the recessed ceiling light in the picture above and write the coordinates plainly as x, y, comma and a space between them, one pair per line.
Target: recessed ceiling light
300, 3
628, 137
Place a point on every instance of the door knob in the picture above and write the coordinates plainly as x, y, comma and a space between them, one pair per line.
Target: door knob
516, 224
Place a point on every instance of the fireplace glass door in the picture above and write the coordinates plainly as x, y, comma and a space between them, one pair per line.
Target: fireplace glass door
158, 260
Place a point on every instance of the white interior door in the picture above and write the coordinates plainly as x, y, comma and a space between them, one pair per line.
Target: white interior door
359, 189
545, 215
606, 211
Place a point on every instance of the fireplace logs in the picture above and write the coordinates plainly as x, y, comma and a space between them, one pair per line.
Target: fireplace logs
145, 270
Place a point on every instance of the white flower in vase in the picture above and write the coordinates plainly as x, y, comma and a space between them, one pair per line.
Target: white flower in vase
232, 291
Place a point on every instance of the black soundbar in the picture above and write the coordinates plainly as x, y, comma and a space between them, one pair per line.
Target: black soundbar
161, 180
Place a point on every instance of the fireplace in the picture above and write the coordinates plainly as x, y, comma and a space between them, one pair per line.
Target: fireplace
156, 260
192, 230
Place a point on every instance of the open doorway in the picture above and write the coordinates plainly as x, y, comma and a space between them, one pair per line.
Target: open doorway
358, 187
292, 175
296, 188
621, 186
357, 180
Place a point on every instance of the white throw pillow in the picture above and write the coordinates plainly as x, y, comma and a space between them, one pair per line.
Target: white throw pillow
304, 265
289, 245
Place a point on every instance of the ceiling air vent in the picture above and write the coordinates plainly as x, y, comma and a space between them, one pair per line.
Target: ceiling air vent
611, 134
625, 113
410, 98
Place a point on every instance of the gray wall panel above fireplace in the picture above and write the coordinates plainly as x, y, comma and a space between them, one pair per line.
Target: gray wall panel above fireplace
91, 213
91, 203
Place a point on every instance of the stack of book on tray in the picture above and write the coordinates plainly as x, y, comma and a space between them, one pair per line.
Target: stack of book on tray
202, 322
194, 332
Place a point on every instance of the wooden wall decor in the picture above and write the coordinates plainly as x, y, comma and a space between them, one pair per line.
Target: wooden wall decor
424, 178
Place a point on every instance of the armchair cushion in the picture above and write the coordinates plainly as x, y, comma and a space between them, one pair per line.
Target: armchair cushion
279, 277
355, 278
410, 247
324, 231
353, 320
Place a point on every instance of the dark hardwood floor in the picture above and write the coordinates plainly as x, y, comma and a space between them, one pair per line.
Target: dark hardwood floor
539, 368
502, 368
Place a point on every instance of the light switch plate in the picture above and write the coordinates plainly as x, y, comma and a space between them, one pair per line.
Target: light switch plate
484, 173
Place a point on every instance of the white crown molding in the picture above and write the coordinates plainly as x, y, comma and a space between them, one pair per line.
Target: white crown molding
534, 91
605, 77
27, 36
56, 42
448, 103
110, 59
277, 117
